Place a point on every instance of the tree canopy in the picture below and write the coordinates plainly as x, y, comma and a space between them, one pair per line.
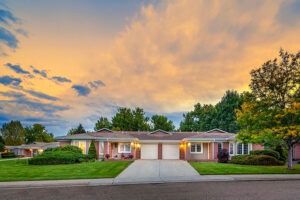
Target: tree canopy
77, 130
130, 120
161, 122
102, 122
222, 115
272, 113
13, 133
2, 144
37, 133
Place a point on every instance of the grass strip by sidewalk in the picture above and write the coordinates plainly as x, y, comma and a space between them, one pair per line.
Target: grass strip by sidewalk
19, 170
211, 168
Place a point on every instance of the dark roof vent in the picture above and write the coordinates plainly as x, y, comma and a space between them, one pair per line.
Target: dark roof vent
216, 130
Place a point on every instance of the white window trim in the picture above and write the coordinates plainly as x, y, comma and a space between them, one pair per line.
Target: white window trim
221, 145
201, 152
249, 148
233, 150
84, 141
121, 151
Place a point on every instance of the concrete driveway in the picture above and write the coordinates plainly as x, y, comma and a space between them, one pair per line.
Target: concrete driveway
157, 171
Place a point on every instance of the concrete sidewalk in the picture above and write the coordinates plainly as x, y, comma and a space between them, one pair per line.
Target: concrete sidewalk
115, 181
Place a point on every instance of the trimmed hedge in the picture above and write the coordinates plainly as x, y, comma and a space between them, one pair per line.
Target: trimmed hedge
58, 157
72, 148
255, 160
268, 152
8, 155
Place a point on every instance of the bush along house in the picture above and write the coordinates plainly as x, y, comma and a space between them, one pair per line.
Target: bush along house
159, 144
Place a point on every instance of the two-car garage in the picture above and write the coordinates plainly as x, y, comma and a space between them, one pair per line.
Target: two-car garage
152, 151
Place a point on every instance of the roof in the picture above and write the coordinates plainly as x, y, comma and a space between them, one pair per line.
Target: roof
35, 145
154, 135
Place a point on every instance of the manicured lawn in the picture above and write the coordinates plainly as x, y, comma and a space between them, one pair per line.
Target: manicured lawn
210, 168
19, 170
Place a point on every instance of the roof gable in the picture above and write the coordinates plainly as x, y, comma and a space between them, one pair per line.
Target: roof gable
160, 132
216, 130
105, 130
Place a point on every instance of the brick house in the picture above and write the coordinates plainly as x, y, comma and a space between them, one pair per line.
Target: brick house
160, 144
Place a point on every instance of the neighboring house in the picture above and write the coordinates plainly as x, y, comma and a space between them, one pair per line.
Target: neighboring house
160, 144
30, 150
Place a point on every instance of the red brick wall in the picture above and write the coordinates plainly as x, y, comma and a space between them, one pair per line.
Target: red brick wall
159, 151
181, 152
97, 148
297, 151
188, 152
138, 153
257, 147
64, 143
226, 145
215, 150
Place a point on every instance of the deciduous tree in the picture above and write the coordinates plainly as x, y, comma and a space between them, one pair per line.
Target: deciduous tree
13, 133
274, 112
162, 122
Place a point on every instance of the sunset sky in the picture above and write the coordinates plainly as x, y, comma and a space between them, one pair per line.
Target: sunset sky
64, 62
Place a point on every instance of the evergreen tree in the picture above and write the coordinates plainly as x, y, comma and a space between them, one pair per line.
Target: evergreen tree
162, 122
92, 151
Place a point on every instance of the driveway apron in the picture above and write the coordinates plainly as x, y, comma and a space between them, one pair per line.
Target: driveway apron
157, 171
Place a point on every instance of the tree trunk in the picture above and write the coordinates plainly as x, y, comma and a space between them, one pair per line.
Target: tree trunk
290, 157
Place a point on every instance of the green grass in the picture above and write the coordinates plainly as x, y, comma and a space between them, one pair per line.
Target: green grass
210, 168
19, 170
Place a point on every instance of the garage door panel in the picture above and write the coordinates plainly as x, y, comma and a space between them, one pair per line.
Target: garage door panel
149, 151
170, 151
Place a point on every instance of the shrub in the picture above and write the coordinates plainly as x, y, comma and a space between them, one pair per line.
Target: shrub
72, 148
255, 160
8, 155
107, 156
268, 152
282, 152
130, 156
92, 151
58, 157
223, 156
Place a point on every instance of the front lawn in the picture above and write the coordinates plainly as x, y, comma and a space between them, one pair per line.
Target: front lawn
19, 170
210, 168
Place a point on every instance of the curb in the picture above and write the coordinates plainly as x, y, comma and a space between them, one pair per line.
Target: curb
162, 180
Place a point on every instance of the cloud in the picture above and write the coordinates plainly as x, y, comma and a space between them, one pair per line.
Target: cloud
81, 90
8, 38
43, 73
6, 16
17, 68
12, 94
61, 79
41, 95
96, 84
7, 80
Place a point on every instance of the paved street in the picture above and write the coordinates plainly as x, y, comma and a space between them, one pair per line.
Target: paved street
201, 190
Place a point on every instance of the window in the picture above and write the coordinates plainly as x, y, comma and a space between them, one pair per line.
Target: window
231, 148
196, 148
219, 146
81, 145
242, 148
124, 148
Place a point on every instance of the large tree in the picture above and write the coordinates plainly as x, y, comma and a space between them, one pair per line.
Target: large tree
102, 122
37, 133
273, 112
130, 120
2, 144
162, 122
77, 130
13, 133
226, 115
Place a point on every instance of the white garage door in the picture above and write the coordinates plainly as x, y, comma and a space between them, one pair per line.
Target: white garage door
149, 151
170, 151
